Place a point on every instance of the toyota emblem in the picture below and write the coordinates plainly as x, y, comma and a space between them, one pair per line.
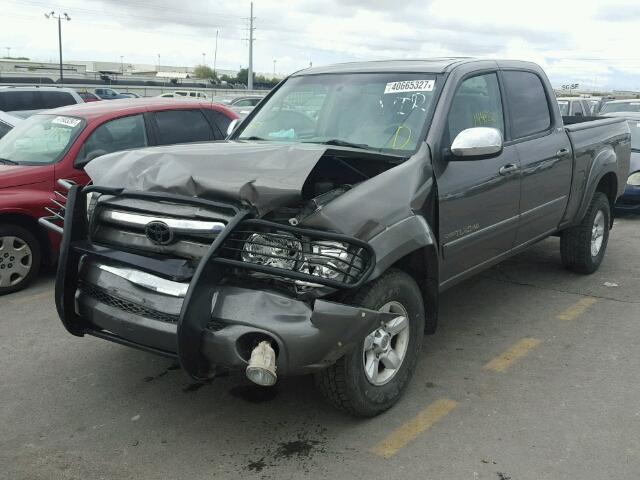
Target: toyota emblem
159, 233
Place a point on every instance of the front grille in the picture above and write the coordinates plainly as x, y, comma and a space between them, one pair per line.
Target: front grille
187, 237
107, 298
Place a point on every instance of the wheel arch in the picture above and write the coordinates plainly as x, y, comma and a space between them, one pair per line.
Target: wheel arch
410, 246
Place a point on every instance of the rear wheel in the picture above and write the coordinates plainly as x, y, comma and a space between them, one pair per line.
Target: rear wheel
582, 247
371, 378
19, 258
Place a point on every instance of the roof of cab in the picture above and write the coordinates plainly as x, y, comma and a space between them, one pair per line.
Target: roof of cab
120, 107
430, 65
424, 65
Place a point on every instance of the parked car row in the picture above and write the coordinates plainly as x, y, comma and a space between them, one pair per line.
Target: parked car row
58, 144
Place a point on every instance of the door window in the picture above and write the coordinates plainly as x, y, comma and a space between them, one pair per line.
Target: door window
182, 126
120, 134
477, 103
528, 106
577, 109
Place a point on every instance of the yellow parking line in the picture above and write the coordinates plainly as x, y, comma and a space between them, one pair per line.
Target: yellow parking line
408, 432
577, 308
505, 359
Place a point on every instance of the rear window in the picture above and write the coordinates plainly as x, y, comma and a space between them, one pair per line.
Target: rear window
56, 99
620, 107
528, 107
16, 100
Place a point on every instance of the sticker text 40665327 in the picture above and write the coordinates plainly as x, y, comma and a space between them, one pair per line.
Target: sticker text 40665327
409, 86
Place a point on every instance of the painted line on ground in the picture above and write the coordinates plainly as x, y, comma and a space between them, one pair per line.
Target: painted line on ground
517, 351
407, 433
577, 308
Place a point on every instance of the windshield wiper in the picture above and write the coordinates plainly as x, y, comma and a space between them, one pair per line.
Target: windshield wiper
8, 162
343, 143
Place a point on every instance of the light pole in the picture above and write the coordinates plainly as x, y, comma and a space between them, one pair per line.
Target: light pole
158, 62
274, 68
59, 18
215, 55
121, 64
8, 52
204, 59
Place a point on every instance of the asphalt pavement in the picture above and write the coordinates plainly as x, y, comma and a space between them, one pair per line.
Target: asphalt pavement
534, 373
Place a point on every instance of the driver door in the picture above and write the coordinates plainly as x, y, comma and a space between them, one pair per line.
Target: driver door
479, 198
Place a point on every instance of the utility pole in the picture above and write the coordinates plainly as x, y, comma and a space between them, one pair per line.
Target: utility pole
215, 55
59, 18
250, 72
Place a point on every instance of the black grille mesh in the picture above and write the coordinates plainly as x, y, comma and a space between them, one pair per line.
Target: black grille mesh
106, 298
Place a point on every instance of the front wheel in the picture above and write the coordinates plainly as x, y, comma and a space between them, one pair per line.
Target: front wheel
582, 247
19, 258
372, 377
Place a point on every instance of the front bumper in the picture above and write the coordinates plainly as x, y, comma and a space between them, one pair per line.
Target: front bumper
211, 323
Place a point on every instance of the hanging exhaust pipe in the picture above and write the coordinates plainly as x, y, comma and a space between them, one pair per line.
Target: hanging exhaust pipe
262, 365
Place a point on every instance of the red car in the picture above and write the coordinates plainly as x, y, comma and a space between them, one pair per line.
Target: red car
89, 97
58, 143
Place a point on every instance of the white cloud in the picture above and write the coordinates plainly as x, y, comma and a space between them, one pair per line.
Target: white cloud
573, 39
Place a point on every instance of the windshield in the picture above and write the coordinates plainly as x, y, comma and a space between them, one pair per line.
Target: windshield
564, 108
634, 126
41, 139
379, 111
620, 107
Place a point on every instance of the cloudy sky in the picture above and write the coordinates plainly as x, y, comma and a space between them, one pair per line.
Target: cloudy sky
591, 43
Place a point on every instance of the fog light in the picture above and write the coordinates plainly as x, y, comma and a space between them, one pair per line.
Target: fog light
262, 365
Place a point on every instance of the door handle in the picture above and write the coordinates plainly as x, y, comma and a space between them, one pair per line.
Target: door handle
563, 152
508, 169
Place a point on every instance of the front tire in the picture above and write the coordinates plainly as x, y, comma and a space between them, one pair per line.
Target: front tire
373, 376
19, 258
582, 247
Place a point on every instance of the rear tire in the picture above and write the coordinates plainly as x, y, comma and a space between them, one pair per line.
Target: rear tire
366, 393
19, 258
582, 247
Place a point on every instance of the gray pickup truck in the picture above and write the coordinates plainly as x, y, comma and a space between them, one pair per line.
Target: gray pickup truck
318, 237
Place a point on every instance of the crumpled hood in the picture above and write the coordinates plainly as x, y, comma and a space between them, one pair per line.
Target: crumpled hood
20, 175
265, 176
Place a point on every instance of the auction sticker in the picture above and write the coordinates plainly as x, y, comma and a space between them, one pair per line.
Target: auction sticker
410, 86
66, 121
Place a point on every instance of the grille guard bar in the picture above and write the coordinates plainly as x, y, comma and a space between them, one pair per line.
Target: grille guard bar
196, 307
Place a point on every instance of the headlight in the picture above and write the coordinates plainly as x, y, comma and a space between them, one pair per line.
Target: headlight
272, 250
634, 179
326, 259
331, 260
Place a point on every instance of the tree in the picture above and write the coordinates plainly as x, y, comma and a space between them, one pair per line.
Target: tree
202, 71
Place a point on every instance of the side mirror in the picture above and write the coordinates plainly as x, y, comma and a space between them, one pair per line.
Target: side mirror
477, 142
232, 126
90, 156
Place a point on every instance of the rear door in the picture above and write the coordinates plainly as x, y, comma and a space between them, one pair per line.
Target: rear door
478, 212
544, 152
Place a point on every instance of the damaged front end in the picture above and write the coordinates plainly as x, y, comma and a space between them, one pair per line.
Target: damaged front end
207, 282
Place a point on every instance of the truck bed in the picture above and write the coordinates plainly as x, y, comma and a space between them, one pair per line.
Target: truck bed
596, 144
